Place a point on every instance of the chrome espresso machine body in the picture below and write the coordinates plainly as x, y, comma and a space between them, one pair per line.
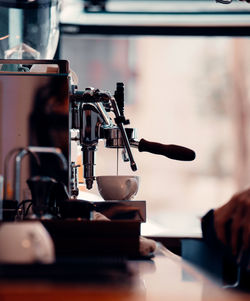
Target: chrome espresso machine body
90, 122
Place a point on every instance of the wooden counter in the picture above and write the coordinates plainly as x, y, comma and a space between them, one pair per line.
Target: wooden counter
166, 277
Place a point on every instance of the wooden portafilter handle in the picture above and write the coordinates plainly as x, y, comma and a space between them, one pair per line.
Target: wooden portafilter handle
171, 151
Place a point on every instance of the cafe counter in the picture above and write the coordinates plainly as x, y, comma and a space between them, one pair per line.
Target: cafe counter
164, 277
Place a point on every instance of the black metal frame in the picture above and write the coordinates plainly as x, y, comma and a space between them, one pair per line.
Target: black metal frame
185, 27
113, 30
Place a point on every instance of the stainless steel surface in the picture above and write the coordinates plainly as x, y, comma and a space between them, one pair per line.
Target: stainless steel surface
34, 112
107, 120
88, 155
20, 153
90, 121
89, 115
17, 174
6, 169
114, 139
74, 180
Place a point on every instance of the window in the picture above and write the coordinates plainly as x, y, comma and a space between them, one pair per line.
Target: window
188, 89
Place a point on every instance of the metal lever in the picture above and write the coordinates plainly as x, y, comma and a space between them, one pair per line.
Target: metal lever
123, 132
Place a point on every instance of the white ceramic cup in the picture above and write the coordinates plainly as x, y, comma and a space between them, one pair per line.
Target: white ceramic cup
116, 188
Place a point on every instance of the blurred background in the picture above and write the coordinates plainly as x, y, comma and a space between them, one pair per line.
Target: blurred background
186, 70
185, 89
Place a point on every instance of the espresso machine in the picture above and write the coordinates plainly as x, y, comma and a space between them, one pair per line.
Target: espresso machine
91, 121
85, 117
98, 115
